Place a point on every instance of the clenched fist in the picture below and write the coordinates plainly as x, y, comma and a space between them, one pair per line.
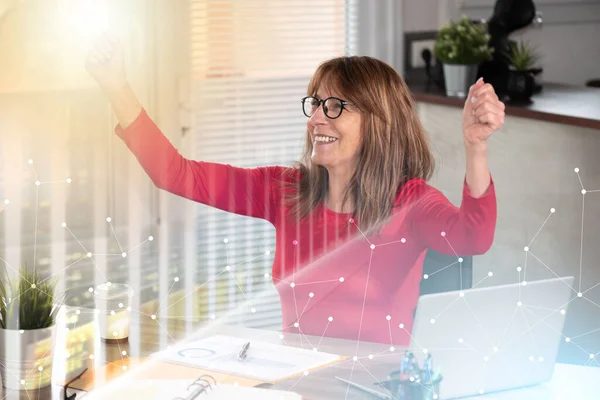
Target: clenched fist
105, 63
483, 113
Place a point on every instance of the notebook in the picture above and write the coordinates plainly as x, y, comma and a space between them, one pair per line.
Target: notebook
200, 389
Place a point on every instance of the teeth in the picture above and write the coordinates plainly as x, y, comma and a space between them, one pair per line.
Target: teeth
324, 139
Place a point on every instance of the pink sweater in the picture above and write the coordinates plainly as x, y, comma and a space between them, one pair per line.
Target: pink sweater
332, 280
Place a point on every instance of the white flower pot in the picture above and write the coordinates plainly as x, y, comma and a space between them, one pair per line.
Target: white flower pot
458, 78
26, 358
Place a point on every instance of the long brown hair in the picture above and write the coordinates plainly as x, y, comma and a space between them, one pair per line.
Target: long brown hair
394, 148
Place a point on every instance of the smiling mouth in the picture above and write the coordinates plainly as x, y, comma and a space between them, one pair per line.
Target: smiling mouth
321, 139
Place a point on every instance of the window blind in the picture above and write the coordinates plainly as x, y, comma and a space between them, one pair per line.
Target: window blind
251, 64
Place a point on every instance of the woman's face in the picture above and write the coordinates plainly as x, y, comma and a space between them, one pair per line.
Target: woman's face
336, 142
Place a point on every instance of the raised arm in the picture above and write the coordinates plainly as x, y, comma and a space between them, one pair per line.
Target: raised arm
245, 191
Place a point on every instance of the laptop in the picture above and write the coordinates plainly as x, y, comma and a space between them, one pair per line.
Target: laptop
494, 338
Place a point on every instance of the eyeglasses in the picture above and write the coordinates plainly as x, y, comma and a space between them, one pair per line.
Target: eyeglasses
332, 106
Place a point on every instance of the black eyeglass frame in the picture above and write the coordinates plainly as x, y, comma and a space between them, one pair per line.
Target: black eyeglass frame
344, 103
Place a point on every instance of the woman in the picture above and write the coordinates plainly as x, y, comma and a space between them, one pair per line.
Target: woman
354, 220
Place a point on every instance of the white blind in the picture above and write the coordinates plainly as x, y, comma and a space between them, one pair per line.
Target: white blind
251, 64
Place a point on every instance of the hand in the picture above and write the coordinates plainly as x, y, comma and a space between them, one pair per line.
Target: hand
105, 63
483, 113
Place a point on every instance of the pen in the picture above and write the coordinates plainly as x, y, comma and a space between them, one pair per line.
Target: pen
375, 393
242, 353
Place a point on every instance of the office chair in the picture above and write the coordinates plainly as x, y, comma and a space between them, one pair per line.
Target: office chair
446, 278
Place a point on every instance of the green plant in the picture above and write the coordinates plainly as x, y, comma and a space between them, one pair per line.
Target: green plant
463, 42
28, 303
523, 56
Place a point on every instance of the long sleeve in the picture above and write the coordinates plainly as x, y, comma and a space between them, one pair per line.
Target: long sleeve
439, 225
245, 191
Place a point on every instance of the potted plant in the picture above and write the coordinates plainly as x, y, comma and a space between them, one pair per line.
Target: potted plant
28, 311
523, 61
460, 47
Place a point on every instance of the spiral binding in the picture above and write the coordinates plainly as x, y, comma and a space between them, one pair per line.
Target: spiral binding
203, 386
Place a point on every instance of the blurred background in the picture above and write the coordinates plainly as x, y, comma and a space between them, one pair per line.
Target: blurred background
223, 79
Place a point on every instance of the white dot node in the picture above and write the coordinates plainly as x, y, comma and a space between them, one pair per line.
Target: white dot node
567, 340
401, 326
296, 325
6, 201
519, 269
425, 351
253, 310
150, 238
77, 312
64, 224
112, 312
583, 191
33, 286
236, 383
91, 289
481, 391
460, 259
372, 246
553, 210
21, 331
519, 303
108, 283
280, 336
89, 254
496, 348
524, 283
311, 294
267, 252
526, 248
124, 367
403, 240
213, 316
531, 358
228, 268
69, 180
461, 294
91, 356
315, 349
30, 161
392, 348
266, 275
330, 319
124, 254
153, 316
370, 356
108, 219
351, 220
305, 373
40, 368
225, 240
486, 358
425, 276
460, 340
292, 284
115, 333
490, 273
38, 183
121, 305
22, 382
576, 169
432, 320
435, 396
541, 359
563, 312
388, 317
443, 234
342, 279
355, 358
128, 308
124, 353
579, 294
592, 355
176, 279
295, 242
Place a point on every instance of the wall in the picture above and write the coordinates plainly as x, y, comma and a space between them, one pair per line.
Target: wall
532, 164
567, 39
